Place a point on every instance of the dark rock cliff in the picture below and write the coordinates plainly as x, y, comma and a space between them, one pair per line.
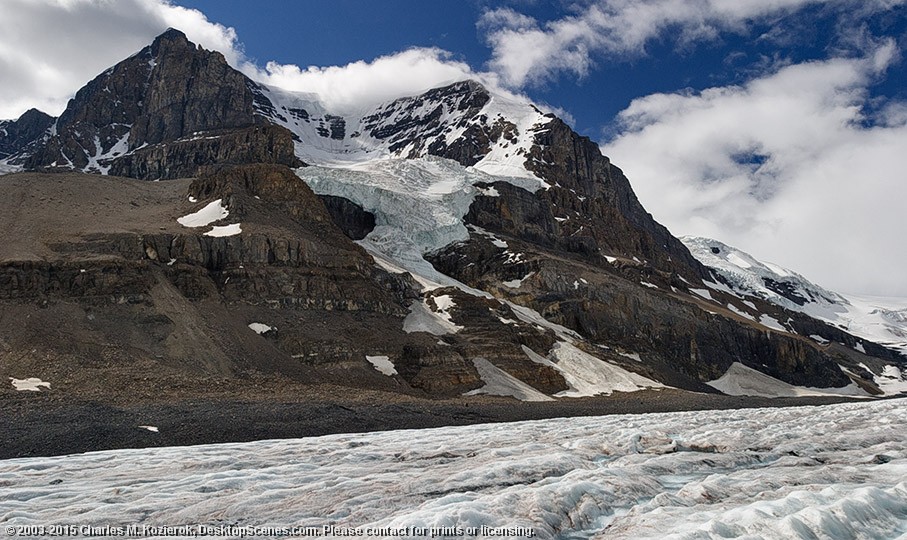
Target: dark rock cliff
17, 136
171, 110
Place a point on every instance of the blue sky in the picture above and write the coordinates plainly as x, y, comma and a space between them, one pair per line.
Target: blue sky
344, 31
777, 126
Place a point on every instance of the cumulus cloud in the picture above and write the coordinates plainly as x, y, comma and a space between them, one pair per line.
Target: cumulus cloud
363, 84
50, 48
787, 167
527, 52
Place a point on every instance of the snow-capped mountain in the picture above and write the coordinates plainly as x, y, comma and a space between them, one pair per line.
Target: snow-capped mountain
463, 240
877, 319
464, 122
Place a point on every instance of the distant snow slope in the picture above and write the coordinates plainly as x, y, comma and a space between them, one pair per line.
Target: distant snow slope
740, 380
880, 320
837, 471
407, 127
6, 168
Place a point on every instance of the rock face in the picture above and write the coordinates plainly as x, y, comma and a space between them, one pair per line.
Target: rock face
352, 219
686, 342
17, 135
170, 110
417, 123
207, 152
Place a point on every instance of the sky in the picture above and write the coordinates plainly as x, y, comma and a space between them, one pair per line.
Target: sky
776, 126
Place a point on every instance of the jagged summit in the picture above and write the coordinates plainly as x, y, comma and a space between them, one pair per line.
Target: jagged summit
171, 37
20, 135
143, 116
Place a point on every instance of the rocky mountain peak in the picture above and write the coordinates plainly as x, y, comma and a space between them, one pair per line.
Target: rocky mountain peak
169, 92
16, 134
170, 39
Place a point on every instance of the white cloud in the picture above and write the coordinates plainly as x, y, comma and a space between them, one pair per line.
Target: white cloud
51, 48
527, 52
363, 84
783, 167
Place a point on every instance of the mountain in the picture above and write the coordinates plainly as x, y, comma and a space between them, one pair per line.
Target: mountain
877, 321
457, 242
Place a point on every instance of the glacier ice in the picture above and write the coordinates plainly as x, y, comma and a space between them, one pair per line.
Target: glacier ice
836, 471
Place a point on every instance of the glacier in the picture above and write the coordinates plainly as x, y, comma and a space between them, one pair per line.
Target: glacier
835, 471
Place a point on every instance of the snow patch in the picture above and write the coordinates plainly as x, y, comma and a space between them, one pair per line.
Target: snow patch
741, 380
500, 383
740, 312
517, 283
631, 356
260, 328
31, 384
770, 322
382, 364
497, 242
224, 230
587, 375
487, 191
891, 381
704, 293
213, 211
422, 318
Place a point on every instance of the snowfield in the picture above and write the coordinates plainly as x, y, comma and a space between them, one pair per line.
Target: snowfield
837, 471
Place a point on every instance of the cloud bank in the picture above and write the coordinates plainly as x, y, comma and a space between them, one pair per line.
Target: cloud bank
787, 167
363, 84
528, 52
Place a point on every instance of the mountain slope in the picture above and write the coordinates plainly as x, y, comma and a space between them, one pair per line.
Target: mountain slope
876, 321
495, 248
